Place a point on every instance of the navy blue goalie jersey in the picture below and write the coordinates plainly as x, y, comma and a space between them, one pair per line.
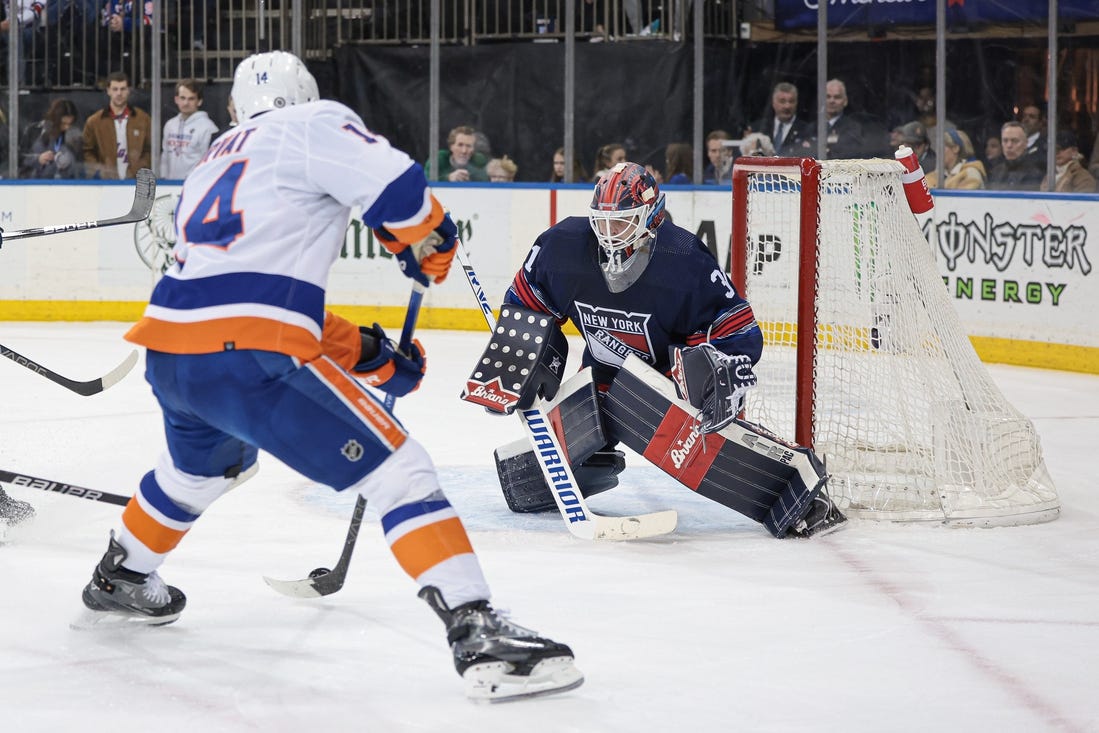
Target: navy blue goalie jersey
682, 298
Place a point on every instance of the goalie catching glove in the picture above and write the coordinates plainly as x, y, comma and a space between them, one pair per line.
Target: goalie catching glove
382, 365
713, 382
428, 260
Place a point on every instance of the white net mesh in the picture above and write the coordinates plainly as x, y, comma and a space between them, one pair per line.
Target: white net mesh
905, 414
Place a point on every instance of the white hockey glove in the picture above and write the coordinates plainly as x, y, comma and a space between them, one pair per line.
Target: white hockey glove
714, 382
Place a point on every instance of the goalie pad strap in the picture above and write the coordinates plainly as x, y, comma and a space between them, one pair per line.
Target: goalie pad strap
524, 360
743, 466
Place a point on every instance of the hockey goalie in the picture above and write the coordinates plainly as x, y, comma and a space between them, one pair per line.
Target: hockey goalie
668, 357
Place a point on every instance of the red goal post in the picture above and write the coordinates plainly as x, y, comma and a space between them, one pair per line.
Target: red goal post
865, 359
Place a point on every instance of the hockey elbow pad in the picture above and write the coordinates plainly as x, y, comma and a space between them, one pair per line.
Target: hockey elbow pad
524, 360
385, 367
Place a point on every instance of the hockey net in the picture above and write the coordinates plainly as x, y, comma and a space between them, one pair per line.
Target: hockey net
865, 359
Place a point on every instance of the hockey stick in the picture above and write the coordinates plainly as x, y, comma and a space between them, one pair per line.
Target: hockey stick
144, 193
322, 581
92, 386
44, 484
580, 520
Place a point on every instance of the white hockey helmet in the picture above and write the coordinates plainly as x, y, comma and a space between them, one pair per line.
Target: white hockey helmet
271, 80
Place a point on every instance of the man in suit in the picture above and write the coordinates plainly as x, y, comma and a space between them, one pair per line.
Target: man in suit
790, 136
845, 133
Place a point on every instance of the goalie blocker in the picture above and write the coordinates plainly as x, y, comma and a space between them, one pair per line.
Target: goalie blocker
742, 466
524, 360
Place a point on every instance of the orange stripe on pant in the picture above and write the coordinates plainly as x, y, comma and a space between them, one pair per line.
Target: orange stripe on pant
373, 413
212, 336
424, 548
148, 531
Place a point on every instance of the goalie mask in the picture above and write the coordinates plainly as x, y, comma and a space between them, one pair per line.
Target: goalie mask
269, 81
625, 212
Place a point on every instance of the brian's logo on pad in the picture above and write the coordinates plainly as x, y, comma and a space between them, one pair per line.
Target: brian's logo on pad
491, 395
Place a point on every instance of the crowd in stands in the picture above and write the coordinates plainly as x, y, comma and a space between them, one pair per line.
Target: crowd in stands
1012, 160
115, 141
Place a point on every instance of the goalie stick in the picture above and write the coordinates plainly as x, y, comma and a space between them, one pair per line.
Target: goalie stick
92, 386
144, 192
322, 581
579, 519
45, 484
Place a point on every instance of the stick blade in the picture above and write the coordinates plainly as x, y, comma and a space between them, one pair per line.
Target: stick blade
324, 585
144, 194
637, 527
115, 376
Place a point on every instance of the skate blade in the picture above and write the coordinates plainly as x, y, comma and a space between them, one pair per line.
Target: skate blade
89, 620
492, 681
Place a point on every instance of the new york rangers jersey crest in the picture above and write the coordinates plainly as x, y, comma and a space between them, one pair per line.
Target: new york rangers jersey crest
612, 335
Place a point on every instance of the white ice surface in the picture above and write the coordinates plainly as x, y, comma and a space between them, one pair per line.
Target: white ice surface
717, 627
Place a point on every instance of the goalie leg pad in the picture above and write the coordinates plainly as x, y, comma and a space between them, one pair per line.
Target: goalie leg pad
525, 488
575, 417
742, 466
524, 360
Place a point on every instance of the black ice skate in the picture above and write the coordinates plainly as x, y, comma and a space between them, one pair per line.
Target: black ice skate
500, 660
118, 594
822, 518
13, 512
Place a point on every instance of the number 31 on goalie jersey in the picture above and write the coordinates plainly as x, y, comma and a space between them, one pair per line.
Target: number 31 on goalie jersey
215, 221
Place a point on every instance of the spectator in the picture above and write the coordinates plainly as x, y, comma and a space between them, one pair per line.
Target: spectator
501, 170
925, 107
231, 110
606, 158
845, 134
187, 136
914, 135
960, 164
27, 13
679, 164
127, 24
1033, 120
119, 15
994, 151
1016, 170
117, 137
460, 162
1071, 177
52, 148
719, 171
579, 175
790, 136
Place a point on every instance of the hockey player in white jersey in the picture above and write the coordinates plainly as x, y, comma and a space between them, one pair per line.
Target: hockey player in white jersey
243, 356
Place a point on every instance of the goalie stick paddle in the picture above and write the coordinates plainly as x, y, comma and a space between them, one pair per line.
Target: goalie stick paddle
324, 582
45, 484
580, 520
92, 386
144, 193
